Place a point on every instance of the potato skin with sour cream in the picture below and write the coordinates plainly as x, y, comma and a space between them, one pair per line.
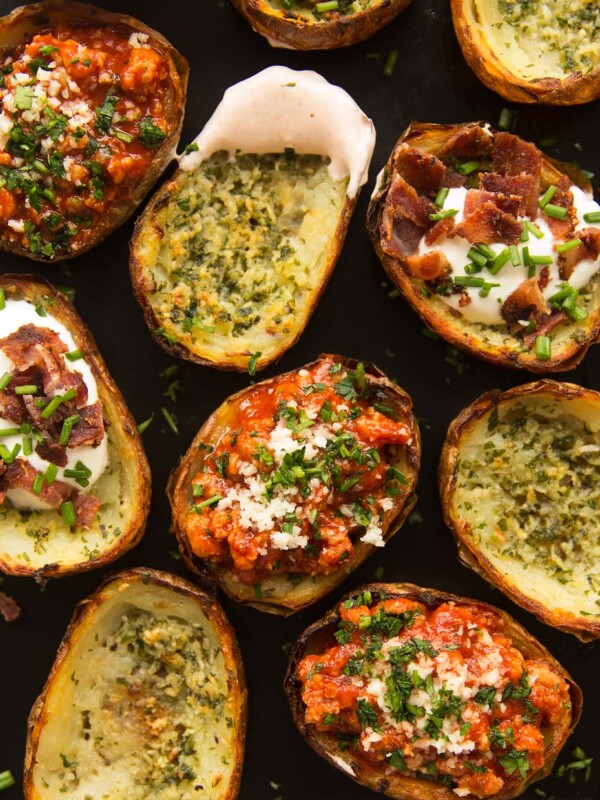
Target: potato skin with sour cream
165, 713
437, 153
390, 610
303, 28
314, 433
40, 544
518, 487
93, 106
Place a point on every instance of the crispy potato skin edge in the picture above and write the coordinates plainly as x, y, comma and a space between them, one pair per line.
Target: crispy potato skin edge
401, 788
584, 628
37, 16
298, 597
32, 287
573, 90
306, 35
142, 285
84, 613
429, 138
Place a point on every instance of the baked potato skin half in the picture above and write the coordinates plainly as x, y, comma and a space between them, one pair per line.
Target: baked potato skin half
278, 595
171, 594
585, 626
576, 339
493, 72
319, 636
126, 448
25, 22
287, 30
148, 229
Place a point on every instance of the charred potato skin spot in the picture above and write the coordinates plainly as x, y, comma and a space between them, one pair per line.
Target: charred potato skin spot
25, 22
301, 34
430, 138
584, 628
128, 440
575, 89
143, 285
289, 599
83, 616
319, 634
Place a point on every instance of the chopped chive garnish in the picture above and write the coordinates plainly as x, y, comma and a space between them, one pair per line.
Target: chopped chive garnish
197, 490
81, 474
390, 63
468, 280
65, 433
6, 780
68, 512
5, 380
487, 288
476, 256
68, 291
566, 246
468, 167
38, 483
564, 292
547, 196
526, 257
451, 212
534, 229
570, 302
170, 419
50, 474
27, 446
28, 388
211, 501
587, 174
2, 300
549, 142
507, 121
123, 136
56, 402
543, 348
441, 196
592, 216
541, 260
499, 262
515, 256
253, 362
384, 408
487, 251
145, 424
472, 268
556, 212
578, 314
203, 327
10, 431
74, 355
524, 237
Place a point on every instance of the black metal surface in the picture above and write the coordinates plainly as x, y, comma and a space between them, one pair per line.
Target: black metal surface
355, 317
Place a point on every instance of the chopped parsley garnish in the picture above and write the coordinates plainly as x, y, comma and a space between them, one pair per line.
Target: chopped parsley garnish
150, 134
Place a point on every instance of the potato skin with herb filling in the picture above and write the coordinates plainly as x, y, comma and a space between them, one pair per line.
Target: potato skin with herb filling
572, 340
126, 520
25, 22
496, 74
319, 636
166, 600
279, 595
553, 602
303, 34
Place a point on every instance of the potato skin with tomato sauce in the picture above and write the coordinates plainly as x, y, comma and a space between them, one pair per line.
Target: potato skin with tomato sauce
98, 126
277, 521
402, 600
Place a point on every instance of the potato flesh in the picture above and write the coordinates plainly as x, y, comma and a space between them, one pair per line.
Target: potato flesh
247, 242
149, 720
305, 8
527, 486
537, 39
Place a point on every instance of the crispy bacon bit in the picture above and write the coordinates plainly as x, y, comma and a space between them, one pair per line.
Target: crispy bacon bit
509, 203
525, 302
563, 197
443, 227
51, 451
452, 180
429, 266
545, 325
544, 278
589, 248
9, 608
512, 155
468, 142
422, 170
523, 186
86, 509
405, 218
90, 428
11, 408
489, 224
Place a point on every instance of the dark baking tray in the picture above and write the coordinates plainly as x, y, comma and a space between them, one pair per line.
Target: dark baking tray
355, 317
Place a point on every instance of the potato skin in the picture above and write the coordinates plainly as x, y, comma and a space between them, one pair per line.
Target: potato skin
86, 610
430, 138
143, 286
286, 599
298, 34
34, 288
585, 628
573, 90
25, 22
318, 636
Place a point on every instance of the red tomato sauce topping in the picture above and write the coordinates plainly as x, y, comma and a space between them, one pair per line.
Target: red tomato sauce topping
305, 467
83, 110
438, 694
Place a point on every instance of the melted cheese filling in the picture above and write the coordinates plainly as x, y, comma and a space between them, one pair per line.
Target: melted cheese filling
15, 314
487, 310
